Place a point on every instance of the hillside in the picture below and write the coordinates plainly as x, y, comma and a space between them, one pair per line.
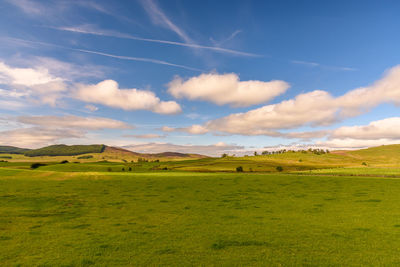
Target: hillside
12, 150
117, 152
64, 150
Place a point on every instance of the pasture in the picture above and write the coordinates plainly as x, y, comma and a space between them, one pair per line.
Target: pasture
52, 216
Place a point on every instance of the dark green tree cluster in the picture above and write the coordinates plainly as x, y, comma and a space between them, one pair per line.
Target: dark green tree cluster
64, 150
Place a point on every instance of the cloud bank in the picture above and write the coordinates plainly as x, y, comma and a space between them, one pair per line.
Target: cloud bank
316, 108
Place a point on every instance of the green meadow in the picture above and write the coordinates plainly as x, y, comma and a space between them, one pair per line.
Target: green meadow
86, 214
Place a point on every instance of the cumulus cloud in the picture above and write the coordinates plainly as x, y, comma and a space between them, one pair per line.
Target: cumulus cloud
224, 89
108, 93
33, 81
87, 123
210, 150
316, 108
39, 84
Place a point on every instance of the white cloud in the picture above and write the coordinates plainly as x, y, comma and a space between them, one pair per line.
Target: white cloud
167, 129
26, 76
226, 89
316, 108
108, 93
47, 130
67, 122
383, 129
350, 143
36, 82
194, 129
37, 137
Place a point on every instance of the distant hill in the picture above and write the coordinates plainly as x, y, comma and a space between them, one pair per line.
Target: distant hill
107, 152
12, 150
175, 155
64, 150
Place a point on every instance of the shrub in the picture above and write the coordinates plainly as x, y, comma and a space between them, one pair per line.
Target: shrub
130, 169
85, 157
108, 169
37, 165
365, 164
279, 168
239, 169
123, 169
64, 161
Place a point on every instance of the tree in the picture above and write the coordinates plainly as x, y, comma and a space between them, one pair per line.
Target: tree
255, 153
239, 169
279, 168
224, 155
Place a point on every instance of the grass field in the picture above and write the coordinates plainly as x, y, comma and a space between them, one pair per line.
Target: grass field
54, 217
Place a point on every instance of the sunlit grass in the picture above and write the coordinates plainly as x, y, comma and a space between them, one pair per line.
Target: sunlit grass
177, 218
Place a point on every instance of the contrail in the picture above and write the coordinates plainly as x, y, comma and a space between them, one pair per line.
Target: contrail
141, 59
132, 37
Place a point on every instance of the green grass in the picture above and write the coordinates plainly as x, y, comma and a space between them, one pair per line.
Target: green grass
357, 171
55, 217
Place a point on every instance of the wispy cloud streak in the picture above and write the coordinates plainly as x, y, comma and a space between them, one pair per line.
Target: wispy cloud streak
160, 18
315, 64
86, 30
141, 59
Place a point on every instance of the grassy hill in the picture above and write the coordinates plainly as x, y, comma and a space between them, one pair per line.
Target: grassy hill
88, 153
64, 150
12, 150
339, 162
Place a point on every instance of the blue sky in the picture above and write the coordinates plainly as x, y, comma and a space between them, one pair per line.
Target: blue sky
199, 76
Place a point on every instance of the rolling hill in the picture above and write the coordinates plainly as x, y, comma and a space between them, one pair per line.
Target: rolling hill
94, 153
12, 150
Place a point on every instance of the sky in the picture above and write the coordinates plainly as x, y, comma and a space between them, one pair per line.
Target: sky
207, 77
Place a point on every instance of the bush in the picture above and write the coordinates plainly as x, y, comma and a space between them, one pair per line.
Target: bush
365, 164
37, 165
64, 161
239, 169
130, 169
279, 168
85, 157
